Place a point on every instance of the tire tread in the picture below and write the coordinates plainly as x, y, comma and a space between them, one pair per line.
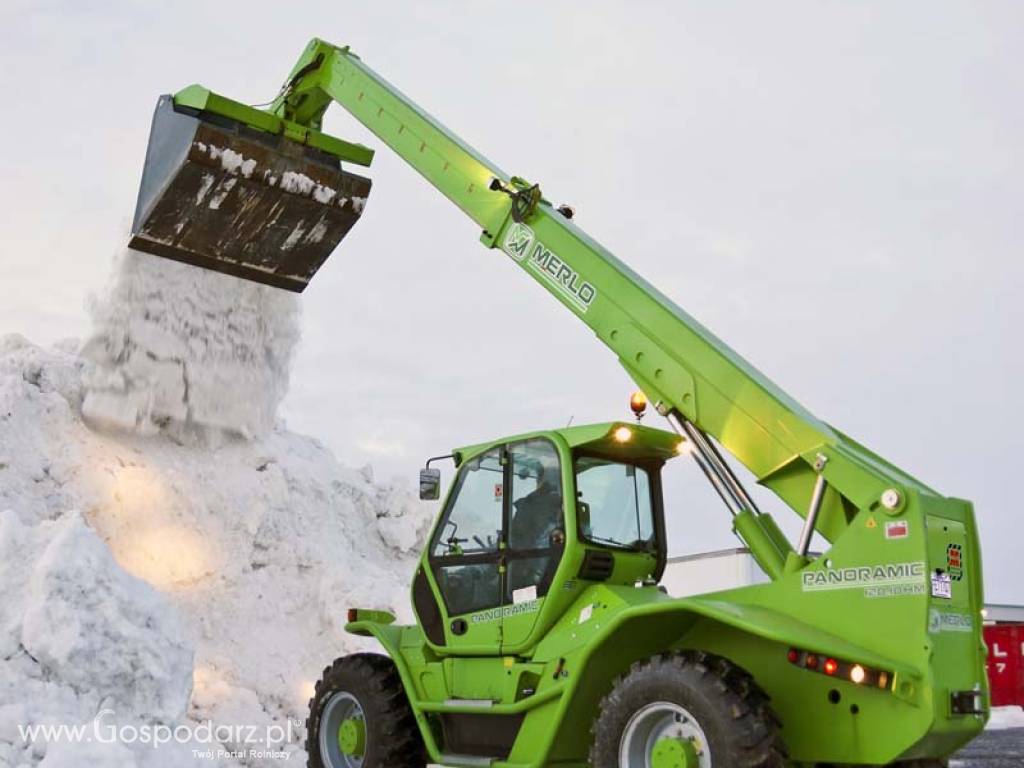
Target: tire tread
755, 727
397, 736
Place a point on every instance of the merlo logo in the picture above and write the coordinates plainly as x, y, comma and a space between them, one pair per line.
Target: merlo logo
518, 240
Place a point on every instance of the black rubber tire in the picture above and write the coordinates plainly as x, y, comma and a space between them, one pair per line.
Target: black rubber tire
392, 738
741, 729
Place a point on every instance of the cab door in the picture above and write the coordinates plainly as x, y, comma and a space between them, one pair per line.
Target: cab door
536, 536
465, 556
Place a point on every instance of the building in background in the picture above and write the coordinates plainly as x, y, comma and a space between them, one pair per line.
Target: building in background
732, 568
711, 572
1004, 636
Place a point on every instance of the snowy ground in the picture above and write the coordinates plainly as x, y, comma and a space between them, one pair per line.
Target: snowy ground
995, 748
176, 558
1004, 718
1000, 746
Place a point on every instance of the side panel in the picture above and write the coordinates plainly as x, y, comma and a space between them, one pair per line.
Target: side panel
475, 677
953, 619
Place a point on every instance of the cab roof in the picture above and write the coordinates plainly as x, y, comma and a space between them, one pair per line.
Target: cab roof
644, 443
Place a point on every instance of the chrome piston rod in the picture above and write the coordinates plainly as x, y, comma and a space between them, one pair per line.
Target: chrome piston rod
711, 463
817, 495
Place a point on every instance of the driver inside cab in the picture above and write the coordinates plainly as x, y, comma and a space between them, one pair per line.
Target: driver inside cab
537, 525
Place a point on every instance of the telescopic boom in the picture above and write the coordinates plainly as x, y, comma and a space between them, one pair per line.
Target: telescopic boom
685, 370
693, 378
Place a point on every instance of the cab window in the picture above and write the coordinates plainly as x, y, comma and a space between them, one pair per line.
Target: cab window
536, 524
614, 503
465, 546
473, 522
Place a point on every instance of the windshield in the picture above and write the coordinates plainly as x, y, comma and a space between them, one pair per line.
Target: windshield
614, 503
472, 525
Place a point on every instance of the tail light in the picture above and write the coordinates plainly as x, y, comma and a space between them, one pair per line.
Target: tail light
858, 674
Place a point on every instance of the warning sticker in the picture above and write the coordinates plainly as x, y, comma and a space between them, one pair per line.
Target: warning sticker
898, 529
955, 561
524, 594
942, 586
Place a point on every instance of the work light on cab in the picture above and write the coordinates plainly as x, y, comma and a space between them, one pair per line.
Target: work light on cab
622, 435
638, 404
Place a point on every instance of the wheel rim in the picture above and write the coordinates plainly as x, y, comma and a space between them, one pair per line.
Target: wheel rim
342, 722
658, 725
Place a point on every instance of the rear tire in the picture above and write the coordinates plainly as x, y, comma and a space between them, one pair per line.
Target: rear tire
364, 687
694, 697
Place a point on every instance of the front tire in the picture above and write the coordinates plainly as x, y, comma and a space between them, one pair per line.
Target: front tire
359, 717
693, 710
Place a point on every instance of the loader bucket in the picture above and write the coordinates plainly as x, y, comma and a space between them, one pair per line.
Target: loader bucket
224, 196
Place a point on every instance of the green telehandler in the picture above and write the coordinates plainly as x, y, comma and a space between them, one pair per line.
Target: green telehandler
543, 638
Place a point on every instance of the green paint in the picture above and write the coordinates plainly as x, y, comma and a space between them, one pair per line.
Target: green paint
552, 662
377, 617
352, 737
671, 752
197, 97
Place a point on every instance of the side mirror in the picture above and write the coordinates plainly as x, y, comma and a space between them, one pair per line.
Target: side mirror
430, 484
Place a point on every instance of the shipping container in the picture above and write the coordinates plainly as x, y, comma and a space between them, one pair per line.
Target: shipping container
1005, 663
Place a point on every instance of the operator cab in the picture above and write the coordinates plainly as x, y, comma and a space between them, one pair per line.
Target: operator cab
530, 520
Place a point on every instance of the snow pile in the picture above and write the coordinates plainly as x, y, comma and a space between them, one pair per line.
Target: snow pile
188, 350
201, 582
1006, 717
79, 601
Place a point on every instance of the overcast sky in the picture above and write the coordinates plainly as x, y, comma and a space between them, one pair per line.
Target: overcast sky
834, 188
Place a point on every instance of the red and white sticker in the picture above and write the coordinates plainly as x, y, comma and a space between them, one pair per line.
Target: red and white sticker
499, 490
898, 529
